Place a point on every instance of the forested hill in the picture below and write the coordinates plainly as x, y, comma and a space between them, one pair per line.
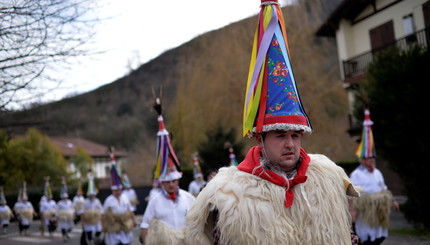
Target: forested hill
203, 84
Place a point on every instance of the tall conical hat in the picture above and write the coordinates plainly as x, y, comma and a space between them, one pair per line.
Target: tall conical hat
19, 198
197, 171
64, 192
233, 160
125, 180
2, 197
79, 190
115, 174
366, 148
92, 190
167, 164
24, 195
272, 101
47, 190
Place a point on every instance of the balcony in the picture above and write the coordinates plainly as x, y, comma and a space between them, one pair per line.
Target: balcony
358, 65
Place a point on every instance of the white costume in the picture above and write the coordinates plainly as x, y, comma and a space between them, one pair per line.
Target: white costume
132, 197
246, 209
25, 212
166, 215
5, 214
78, 202
65, 214
371, 183
196, 186
48, 209
119, 212
91, 218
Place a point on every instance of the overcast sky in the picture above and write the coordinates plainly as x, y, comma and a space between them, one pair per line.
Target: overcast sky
140, 30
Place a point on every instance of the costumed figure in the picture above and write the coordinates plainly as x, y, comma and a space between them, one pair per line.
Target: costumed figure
118, 219
129, 192
156, 188
164, 218
198, 183
25, 211
93, 210
278, 194
48, 210
372, 210
5, 212
78, 202
66, 211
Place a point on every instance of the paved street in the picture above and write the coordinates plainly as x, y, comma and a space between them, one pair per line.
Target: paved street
13, 238
34, 237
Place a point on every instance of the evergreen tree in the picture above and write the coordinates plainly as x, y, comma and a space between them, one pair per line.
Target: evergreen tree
214, 151
397, 93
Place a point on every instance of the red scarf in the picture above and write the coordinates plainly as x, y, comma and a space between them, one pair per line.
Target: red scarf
252, 160
172, 196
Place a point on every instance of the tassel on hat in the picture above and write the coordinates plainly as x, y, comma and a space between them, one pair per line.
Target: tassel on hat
47, 190
64, 192
167, 164
366, 148
91, 184
115, 174
272, 100
2, 197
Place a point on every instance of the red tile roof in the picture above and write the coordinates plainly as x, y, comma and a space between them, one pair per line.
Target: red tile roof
69, 145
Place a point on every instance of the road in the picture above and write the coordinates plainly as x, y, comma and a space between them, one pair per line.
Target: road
34, 237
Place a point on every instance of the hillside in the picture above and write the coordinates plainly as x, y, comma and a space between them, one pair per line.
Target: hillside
203, 83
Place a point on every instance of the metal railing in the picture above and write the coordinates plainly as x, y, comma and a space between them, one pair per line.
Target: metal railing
359, 64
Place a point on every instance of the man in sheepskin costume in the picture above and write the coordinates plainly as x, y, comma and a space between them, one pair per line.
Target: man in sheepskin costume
118, 219
372, 210
164, 218
278, 194
93, 210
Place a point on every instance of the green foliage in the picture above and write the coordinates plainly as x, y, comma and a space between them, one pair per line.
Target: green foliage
397, 92
82, 160
214, 152
29, 159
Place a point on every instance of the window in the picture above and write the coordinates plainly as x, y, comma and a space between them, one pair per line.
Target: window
408, 25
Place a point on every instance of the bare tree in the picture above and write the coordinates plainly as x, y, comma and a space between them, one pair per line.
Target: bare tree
36, 36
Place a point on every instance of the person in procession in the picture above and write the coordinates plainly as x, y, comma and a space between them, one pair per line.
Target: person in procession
371, 212
118, 219
92, 212
279, 194
65, 212
48, 210
24, 211
198, 183
5, 212
130, 192
78, 202
164, 218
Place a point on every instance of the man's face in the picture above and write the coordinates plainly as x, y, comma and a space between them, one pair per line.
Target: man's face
171, 186
282, 148
368, 162
116, 192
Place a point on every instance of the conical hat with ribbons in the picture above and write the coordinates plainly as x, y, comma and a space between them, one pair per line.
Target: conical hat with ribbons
272, 100
116, 182
2, 197
366, 148
167, 164
92, 190
64, 191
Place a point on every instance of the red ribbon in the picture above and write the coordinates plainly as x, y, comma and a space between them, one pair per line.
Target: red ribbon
252, 160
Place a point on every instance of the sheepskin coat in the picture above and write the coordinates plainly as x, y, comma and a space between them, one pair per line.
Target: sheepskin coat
245, 209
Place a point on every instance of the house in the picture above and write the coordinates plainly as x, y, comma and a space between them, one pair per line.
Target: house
99, 153
363, 28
